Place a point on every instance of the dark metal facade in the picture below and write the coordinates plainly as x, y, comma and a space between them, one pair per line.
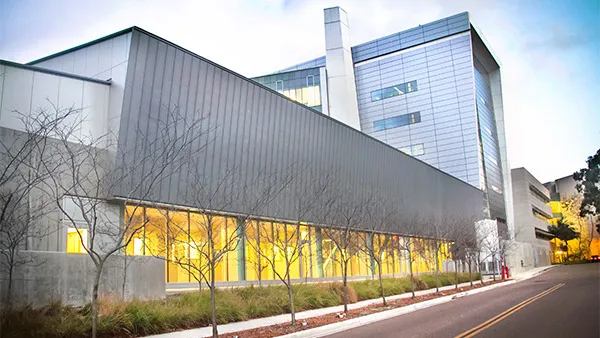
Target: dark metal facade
256, 130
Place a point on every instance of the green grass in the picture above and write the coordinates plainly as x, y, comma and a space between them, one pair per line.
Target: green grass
139, 318
369, 289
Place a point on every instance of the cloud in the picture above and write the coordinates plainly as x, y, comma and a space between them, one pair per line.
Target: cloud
550, 71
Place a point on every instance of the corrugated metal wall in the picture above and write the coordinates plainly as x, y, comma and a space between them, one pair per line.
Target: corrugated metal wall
256, 131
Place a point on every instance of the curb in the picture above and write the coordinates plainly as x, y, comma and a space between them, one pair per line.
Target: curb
329, 329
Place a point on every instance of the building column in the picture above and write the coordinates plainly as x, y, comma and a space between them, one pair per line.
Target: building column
341, 86
319, 241
241, 249
371, 249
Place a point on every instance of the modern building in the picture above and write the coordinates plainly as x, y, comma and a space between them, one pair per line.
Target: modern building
533, 247
126, 89
433, 91
565, 201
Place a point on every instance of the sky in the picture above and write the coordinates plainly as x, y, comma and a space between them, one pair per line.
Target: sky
549, 50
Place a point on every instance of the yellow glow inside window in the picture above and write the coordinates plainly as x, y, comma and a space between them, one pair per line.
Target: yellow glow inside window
75, 241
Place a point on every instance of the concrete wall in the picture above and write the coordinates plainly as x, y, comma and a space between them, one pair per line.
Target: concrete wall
528, 251
526, 256
68, 277
524, 201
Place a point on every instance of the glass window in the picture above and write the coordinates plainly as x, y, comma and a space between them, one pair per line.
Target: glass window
279, 85
75, 240
397, 121
134, 221
198, 247
392, 91
178, 247
232, 254
418, 149
254, 264
305, 252
155, 243
310, 81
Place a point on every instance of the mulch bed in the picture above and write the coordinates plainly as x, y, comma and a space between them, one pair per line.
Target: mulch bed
309, 323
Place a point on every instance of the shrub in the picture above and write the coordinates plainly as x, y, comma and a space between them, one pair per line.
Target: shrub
139, 318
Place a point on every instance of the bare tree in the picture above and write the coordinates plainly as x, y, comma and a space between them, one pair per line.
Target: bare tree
286, 240
92, 172
439, 231
340, 215
381, 217
405, 246
203, 244
462, 234
22, 204
487, 245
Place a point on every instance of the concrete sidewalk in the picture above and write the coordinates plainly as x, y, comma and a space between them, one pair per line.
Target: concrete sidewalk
268, 321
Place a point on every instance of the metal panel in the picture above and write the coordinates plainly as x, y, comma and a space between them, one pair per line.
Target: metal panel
255, 130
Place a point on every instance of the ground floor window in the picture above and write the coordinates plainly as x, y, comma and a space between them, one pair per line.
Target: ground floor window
76, 239
257, 250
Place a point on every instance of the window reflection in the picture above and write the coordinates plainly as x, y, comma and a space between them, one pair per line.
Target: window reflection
392, 91
182, 238
397, 121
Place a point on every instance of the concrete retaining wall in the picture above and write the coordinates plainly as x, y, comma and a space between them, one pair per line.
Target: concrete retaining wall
68, 277
526, 256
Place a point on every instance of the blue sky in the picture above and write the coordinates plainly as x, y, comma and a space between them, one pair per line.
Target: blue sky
549, 50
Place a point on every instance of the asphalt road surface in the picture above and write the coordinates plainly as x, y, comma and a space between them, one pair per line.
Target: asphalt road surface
563, 302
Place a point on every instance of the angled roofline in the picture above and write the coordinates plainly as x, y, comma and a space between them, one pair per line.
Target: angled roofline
135, 28
469, 17
53, 72
29, 65
87, 44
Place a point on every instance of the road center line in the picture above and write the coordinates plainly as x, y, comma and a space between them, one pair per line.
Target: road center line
479, 328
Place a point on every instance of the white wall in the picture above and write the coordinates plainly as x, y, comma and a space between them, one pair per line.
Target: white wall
104, 60
25, 92
341, 85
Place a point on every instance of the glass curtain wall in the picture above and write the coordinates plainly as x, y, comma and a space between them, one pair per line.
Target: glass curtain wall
303, 86
182, 239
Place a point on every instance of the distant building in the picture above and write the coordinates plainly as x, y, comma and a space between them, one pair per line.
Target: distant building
532, 218
432, 91
564, 202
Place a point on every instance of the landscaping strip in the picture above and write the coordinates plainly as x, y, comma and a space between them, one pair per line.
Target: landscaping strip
355, 317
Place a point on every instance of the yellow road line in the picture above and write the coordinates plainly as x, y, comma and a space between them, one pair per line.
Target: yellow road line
477, 329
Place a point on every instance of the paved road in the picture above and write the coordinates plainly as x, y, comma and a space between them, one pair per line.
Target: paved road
570, 307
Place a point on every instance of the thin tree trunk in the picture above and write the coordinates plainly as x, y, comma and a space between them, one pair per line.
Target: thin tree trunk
470, 272
345, 278
95, 287
213, 304
502, 264
212, 262
291, 298
124, 276
410, 267
381, 286
479, 269
456, 273
494, 267
437, 268
9, 286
